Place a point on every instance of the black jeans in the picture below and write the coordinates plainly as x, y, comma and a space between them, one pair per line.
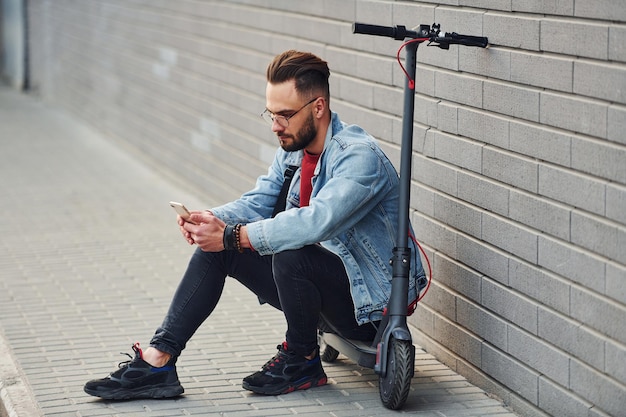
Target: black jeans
303, 283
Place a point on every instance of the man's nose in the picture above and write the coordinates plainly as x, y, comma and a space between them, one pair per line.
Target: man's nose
277, 127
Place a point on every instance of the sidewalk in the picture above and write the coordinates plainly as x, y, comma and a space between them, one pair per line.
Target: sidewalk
90, 256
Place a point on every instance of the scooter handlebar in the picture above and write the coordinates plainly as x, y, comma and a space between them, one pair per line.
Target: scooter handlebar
397, 32
442, 39
457, 39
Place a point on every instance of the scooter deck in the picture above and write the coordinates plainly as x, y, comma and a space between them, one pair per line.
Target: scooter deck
360, 352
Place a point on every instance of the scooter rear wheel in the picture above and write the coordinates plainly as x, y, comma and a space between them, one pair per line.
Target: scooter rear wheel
395, 385
329, 354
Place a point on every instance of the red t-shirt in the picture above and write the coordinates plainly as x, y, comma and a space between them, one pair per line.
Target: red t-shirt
309, 162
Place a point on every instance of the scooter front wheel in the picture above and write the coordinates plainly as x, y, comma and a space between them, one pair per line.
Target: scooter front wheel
395, 385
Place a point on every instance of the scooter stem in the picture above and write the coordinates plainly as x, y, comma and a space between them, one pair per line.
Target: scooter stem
402, 253
395, 322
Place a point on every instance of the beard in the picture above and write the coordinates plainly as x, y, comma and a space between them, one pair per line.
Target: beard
302, 138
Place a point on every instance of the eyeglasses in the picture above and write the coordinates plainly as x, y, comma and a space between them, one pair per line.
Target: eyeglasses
270, 117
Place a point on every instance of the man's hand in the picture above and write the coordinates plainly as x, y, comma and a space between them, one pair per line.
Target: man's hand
207, 232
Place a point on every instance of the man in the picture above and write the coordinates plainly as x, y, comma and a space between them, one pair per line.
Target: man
325, 256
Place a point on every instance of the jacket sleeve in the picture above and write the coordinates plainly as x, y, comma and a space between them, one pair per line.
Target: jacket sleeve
355, 180
258, 203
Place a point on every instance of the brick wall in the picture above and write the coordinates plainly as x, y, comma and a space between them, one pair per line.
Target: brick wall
519, 176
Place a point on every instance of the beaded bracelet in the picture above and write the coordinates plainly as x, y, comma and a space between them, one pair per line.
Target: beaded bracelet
237, 233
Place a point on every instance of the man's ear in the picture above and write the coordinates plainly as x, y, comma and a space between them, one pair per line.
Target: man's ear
320, 106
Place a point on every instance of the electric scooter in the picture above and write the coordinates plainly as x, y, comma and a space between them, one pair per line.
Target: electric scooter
392, 353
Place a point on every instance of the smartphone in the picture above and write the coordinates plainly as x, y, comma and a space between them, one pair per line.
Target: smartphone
181, 210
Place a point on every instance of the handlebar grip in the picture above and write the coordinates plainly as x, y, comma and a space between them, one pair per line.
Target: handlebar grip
396, 32
466, 40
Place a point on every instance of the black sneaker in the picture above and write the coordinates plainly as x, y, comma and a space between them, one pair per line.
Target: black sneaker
286, 372
136, 378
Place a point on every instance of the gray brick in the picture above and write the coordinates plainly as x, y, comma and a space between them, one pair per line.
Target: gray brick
494, 63
601, 9
540, 142
460, 20
442, 301
606, 160
617, 46
597, 388
559, 401
539, 355
572, 188
377, 124
423, 319
521, 379
423, 199
425, 81
540, 214
372, 11
344, 10
569, 336
458, 151
339, 64
447, 118
615, 359
616, 203
603, 81
384, 98
361, 92
458, 214
457, 277
410, 13
483, 323
374, 68
561, 7
458, 340
423, 138
435, 234
461, 89
540, 70
593, 309
510, 168
483, 258
450, 2
540, 285
599, 236
615, 278
426, 109
516, 31
487, 4
473, 189
484, 127
572, 263
575, 38
616, 124
433, 173
511, 100
591, 116
510, 305
510, 236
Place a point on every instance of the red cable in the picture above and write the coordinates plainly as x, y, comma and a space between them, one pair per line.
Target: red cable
418, 40
430, 271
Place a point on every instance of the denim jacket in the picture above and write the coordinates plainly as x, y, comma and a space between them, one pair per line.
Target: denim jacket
352, 212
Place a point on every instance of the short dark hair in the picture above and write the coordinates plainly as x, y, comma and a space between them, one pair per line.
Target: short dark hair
309, 72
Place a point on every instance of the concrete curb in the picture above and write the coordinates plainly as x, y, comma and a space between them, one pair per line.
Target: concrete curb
16, 397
